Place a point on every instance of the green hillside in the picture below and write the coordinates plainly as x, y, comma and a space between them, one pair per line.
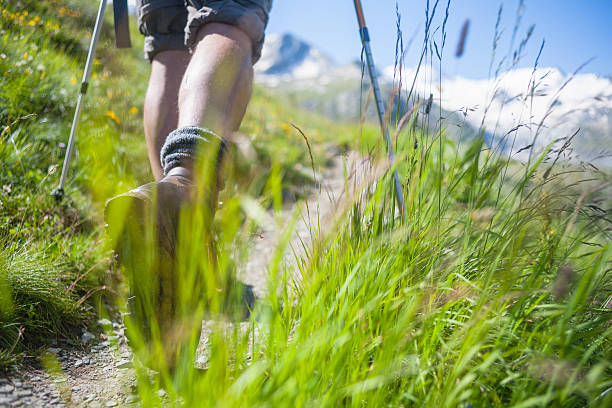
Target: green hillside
495, 291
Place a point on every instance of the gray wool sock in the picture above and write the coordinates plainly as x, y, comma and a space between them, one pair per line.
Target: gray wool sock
182, 144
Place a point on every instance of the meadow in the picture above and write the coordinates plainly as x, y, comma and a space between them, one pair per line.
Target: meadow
495, 291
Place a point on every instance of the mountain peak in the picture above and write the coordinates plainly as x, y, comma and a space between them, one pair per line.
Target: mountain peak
286, 57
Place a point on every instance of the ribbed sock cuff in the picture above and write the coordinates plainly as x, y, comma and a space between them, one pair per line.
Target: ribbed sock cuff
182, 144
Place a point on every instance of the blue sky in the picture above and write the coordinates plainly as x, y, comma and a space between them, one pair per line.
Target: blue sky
575, 31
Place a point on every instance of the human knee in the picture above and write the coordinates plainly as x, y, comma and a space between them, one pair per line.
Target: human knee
234, 38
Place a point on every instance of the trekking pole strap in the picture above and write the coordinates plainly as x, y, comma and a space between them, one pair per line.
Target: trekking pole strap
122, 24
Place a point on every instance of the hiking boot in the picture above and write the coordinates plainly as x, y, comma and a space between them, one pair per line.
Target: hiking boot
142, 225
158, 203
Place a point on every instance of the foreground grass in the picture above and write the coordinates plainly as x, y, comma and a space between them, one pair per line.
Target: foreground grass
495, 292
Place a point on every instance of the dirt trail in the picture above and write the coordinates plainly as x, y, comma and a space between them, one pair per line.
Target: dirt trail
98, 372
314, 213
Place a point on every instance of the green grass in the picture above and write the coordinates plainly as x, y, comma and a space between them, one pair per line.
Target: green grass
496, 291
499, 299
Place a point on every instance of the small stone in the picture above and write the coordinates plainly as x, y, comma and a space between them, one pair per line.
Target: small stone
59, 380
105, 322
78, 363
54, 350
6, 388
124, 364
105, 343
110, 403
5, 400
17, 384
130, 399
24, 393
86, 360
87, 337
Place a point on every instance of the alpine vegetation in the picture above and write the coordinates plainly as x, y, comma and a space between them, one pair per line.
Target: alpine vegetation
494, 289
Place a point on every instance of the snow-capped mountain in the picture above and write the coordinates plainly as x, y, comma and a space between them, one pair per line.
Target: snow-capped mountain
518, 108
526, 106
287, 59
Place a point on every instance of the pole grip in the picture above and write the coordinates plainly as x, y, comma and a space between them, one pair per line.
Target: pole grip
360, 16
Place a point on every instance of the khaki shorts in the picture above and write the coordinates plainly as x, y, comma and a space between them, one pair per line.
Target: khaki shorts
173, 24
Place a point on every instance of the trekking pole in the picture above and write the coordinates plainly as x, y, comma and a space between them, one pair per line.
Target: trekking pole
380, 107
59, 193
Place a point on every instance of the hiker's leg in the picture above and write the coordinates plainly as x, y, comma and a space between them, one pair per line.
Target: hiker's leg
217, 84
163, 25
161, 102
225, 38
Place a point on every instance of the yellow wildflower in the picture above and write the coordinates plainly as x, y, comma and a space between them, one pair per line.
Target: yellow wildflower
133, 110
73, 80
113, 117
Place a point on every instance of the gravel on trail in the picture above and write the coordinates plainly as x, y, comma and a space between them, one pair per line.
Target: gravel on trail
98, 372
